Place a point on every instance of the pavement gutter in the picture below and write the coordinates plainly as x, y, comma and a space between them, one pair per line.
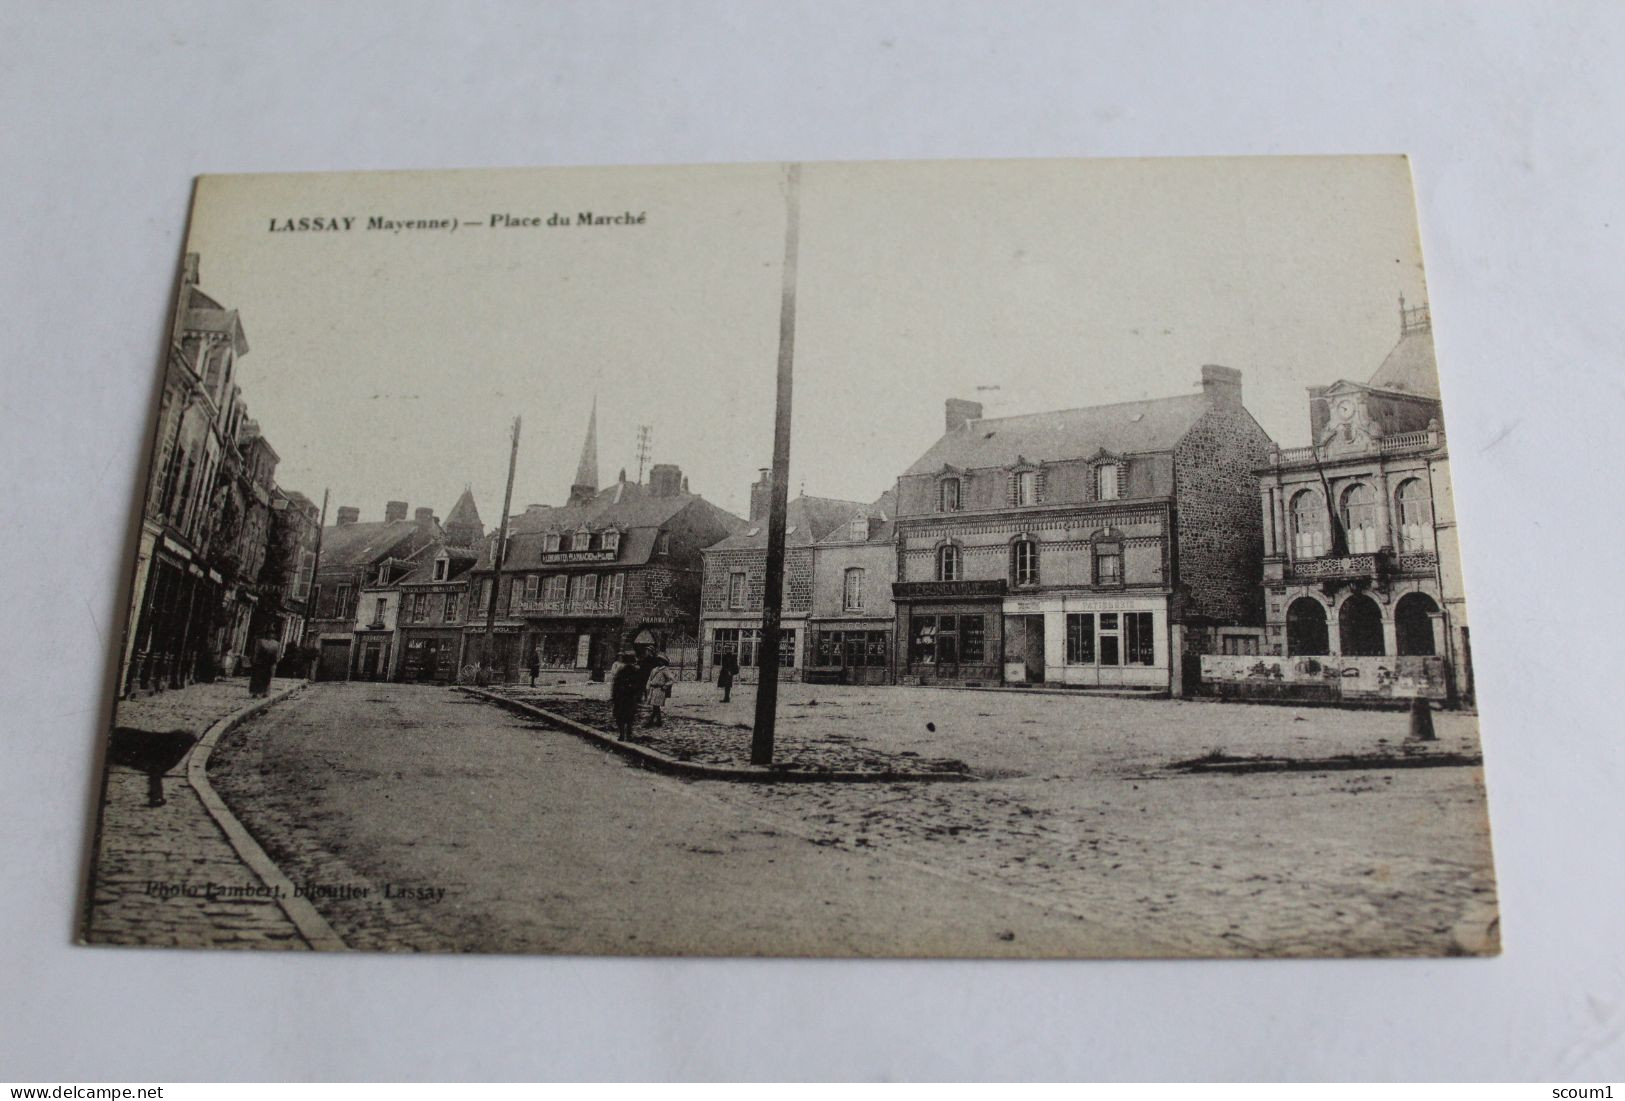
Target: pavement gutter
313, 928
737, 773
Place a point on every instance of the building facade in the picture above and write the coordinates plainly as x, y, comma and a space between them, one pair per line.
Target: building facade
582, 580
434, 608
852, 616
1091, 547
357, 557
1361, 563
206, 525
735, 578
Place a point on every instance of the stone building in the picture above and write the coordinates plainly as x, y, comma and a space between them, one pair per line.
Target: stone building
348, 637
434, 606
735, 576
852, 615
204, 522
583, 579
1087, 547
289, 569
1361, 563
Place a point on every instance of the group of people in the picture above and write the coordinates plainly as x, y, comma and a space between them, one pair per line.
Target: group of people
632, 679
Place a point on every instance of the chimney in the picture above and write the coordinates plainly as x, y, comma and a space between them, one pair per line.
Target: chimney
665, 480
424, 517
394, 510
761, 495
1222, 385
348, 514
961, 412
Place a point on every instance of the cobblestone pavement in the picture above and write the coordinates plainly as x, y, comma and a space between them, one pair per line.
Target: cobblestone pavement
1079, 841
165, 875
424, 819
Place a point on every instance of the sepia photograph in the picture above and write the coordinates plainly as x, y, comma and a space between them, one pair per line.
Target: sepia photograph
1025, 559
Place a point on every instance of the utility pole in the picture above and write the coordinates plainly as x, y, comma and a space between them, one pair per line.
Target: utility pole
315, 571
500, 552
767, 655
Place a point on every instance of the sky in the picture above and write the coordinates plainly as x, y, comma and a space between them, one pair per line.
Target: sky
389, 365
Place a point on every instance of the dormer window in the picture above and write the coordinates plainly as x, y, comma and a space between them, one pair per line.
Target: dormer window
1026, 487
550, 543
567, 542
948, 495
440, 567
612, 541
663, 542
1108, 482
383, 575
859, 529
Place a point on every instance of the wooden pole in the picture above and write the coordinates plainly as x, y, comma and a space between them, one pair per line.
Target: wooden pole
767, 654
500, 553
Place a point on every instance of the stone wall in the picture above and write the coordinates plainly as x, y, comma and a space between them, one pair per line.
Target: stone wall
1219, 533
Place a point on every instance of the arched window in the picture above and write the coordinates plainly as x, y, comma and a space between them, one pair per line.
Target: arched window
1413, 624
1360, 518
1413, 514
1308, 525
1107, 482
948, 498
948, 563
1359, 627
1024, 562
852, 590
1306, 628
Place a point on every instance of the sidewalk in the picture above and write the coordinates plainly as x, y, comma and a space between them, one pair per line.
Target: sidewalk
166, 875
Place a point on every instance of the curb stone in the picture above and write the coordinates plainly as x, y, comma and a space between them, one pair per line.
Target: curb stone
738, 773
313, 928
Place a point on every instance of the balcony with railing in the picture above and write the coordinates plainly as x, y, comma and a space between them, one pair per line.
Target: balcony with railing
572, 606
1376, 566
1426, 440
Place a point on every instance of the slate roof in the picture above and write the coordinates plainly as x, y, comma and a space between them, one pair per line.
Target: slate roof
807, 520
880, 515
624, 504
460, 559
204, 314
464, 511
1125, 428
1411, 367
361, 544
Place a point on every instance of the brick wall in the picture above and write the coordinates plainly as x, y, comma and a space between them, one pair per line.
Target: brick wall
1219, 532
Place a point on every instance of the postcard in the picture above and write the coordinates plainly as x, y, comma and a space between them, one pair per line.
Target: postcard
1032, 559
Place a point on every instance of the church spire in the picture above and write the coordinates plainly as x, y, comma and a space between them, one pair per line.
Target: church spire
585, 487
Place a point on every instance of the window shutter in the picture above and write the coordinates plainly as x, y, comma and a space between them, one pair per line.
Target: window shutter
1014, 487
1038, 485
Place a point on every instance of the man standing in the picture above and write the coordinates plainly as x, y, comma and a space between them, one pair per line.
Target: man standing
267, 652
625, 683
535, 665
726, 673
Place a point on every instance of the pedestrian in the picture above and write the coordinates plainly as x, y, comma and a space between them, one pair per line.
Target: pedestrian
726, 673
267, 652
625, 679
657, 689
535, 665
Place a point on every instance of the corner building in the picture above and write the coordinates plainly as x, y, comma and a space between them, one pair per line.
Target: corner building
1093, 547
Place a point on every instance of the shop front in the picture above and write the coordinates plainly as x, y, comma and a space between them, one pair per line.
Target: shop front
1088, 640
843, 651
949, 632
742, 638
430, 656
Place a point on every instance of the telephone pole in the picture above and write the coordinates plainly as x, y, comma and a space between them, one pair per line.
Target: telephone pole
767, 655
500, 552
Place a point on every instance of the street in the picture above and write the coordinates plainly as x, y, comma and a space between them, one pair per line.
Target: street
423, 819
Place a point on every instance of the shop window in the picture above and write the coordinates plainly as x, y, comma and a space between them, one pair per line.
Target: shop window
852, 590
1024, 562
736, 590
948, 495
852, 649
1080, 638
948, 563
972, 640
1308, 525
939, 640
1360, 518
1139, 643
1109, 640
1413, 512
922, 641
